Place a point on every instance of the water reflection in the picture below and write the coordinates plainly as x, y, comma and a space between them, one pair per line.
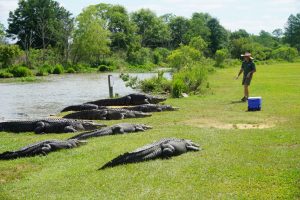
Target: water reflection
38, 100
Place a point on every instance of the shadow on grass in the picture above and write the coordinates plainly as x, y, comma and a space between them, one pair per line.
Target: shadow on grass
235, 102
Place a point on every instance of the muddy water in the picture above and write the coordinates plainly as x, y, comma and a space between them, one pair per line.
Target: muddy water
41, 99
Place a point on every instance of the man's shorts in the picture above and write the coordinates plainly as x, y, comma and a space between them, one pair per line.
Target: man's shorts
246, 81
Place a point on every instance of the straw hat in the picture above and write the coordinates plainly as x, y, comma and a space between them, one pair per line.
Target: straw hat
247, 54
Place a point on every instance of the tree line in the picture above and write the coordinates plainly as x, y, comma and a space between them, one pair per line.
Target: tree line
108, 36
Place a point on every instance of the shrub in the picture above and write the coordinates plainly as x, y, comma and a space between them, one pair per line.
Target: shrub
8, 53
20, 71
42, 72
183, 56
70, 70
104, 68
220, 57
160, 55
140, 57
45, 69
189, 80
6, 75
285, 53
58, 69
155, 85
178, 87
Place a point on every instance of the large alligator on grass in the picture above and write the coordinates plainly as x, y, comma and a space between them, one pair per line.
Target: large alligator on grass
122, 128
106, 114
41, 148
80, 107
141, 108
49, 126
151, 108
164, 148
129, 100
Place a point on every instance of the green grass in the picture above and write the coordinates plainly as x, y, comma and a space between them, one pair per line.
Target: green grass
234, 163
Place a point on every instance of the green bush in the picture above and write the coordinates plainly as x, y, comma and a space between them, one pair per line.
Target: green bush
20, 71
104, 68
6, 75
71, 70
8, 53
156, 84
178, 87
184, 56
58, 69
45, 68
220, 57
192, 78
42, 72
285, 53
140, 57
160, 55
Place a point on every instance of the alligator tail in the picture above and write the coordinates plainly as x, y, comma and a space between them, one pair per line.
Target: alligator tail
134, 157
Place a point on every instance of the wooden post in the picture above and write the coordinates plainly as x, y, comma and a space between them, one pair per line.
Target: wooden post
110, 86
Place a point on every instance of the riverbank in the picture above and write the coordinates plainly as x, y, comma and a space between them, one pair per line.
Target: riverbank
246, 155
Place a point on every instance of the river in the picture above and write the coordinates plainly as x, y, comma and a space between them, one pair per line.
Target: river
20, 101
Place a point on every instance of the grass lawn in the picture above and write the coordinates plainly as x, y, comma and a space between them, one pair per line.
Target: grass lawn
246, 155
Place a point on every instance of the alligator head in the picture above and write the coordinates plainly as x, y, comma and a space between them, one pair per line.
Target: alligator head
155, 99
170, 108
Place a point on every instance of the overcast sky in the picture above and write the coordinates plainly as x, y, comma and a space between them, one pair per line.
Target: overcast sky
252, 15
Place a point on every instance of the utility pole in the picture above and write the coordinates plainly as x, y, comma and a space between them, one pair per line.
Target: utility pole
110, 86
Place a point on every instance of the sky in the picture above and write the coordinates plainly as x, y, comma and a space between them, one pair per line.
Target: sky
251, 15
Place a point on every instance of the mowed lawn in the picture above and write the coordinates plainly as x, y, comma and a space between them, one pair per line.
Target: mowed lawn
246, 155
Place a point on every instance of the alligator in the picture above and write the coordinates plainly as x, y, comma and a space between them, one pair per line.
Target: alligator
49, 126
164, 148
112, 130
41, 148
106, 114
151, 108
80, 107
128, 100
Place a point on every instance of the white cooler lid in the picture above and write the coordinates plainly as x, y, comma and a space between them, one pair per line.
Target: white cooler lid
254, 97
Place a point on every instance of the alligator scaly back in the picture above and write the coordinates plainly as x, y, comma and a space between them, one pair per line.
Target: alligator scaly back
164, 148
131, 99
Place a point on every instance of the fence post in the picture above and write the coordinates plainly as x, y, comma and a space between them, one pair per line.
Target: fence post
110, 86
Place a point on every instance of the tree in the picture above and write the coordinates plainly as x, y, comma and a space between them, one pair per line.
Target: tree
154, 32
37, 24
285, 53
2, 33
184, 57
91, 40
292, 31
241, 33
198, 27
179, 26
117, 21
198, 43
278, 33
218, 35
266, 39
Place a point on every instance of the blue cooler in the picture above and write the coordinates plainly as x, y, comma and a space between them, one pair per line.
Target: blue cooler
254, 103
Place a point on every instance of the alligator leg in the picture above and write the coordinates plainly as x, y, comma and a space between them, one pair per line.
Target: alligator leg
40, 128
193, 147
139, 129
168, 150
69, 129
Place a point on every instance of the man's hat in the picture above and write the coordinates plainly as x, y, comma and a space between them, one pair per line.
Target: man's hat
247, 54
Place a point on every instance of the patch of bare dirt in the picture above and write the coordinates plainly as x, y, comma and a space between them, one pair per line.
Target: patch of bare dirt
209, 123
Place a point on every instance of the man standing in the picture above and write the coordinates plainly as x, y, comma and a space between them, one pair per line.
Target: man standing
248, 67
